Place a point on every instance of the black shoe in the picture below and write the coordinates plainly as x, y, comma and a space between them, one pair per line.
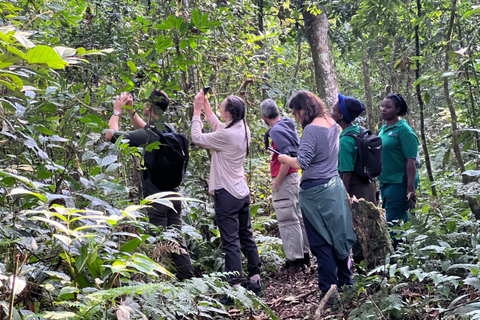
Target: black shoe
291, 267
305, 262
256, 287
226, 300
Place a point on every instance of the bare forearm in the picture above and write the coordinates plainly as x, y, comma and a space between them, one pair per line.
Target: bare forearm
282, 173
292, 162
113, 125
346, 178
410, 175
136, 121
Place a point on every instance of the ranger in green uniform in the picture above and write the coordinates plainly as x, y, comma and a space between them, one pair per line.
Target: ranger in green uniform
400, 147
344, 112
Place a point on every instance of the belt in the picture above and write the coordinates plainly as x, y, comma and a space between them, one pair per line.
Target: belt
311, 183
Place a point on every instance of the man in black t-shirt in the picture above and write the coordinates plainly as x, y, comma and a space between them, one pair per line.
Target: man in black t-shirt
158, 214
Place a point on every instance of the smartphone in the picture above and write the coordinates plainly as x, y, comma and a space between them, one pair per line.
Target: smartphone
206, 89
273, 150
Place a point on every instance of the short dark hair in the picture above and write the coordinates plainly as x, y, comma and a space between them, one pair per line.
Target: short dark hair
159, 100
312, 105
399, 102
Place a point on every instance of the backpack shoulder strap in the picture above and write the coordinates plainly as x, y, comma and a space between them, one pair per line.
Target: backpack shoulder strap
266, 139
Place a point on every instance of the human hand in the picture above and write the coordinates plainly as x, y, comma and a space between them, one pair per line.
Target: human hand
199, 103
276, 185
125, 98
412, 199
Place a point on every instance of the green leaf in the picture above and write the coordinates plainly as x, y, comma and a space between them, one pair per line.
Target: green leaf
204, 18
86, 100
8, 85
183, 44
196, 17
17, 191
152, 146
193, 43
164, 45
132, 66
44, 130
7, 60
172, 20
427, 97
421, 80
211, 24
179, 22
15, 79
17, 52
128, 81
45, 54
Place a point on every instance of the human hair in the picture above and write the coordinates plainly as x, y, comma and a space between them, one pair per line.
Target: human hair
159, 100
399, 102
312, 106
236, 107
269, 109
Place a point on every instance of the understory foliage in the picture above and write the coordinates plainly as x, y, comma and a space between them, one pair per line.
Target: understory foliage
74, 239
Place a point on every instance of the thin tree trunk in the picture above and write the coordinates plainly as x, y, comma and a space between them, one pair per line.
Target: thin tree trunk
325, 74
371, 114
472, 201
446, 91
422, 106
299, 58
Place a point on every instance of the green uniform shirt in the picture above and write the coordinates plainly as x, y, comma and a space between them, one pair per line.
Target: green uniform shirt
399, 143
347, 152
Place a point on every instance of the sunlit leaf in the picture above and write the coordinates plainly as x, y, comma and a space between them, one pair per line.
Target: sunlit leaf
196, 17
45, 54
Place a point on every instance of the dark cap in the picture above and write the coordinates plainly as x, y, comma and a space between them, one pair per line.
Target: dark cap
350, 107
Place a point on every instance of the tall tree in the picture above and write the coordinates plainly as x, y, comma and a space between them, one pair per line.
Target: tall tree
325, 73
421, 104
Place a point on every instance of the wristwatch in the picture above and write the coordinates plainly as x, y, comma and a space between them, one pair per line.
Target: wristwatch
116, 113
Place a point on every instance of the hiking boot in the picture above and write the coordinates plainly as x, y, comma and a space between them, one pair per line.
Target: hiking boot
305, 262
291, 267
256, 287
226, 300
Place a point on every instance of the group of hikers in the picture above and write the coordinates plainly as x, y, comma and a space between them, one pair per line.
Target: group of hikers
312, 208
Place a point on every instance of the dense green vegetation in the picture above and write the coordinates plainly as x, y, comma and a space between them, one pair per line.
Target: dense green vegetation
73, 239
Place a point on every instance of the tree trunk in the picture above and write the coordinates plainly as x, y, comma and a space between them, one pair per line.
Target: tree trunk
325, 74
472, 201
371, 114
372, 232
446, 91
422, 106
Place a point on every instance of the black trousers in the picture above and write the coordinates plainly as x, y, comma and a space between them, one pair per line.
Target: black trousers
233, 220
161, 215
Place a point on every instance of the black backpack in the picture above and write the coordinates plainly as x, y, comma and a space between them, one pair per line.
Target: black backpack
167, 164
369, 154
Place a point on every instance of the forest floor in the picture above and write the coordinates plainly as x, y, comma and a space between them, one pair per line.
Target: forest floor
293, 297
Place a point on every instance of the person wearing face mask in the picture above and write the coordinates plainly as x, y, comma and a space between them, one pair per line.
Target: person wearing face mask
229, 143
